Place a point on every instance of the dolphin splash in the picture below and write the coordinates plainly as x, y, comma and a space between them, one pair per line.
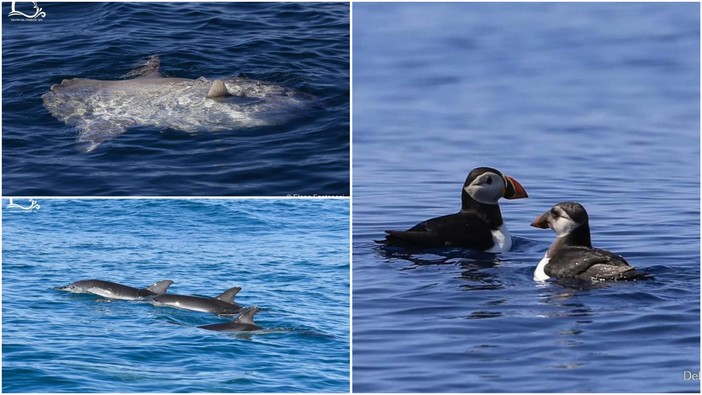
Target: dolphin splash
103, 109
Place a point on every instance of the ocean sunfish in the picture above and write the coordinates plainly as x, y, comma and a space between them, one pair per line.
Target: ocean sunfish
103, 109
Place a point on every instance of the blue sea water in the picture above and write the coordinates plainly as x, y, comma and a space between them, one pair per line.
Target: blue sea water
290, 257
301, 46
593, 102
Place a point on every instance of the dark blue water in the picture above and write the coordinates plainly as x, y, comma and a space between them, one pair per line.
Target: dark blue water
290, 257
593, 102
301, 46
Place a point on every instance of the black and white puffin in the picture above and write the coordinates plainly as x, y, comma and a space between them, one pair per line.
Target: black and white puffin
571, 255
478, 225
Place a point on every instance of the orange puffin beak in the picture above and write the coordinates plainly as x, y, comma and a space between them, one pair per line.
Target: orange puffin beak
514, 189
541, 221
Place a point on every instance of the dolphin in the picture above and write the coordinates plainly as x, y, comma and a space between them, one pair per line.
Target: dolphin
244, 322
222, 305
103, 109
112, 290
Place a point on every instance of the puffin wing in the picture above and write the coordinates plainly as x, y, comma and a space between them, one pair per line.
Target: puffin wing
413, 238
590, 264
604, 272
614, 259
449, 230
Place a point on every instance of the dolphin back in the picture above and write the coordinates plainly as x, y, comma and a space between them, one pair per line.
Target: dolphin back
111, 290
243, 323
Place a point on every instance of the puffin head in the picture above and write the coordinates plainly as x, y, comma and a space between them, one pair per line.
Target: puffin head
563, 218
487, 185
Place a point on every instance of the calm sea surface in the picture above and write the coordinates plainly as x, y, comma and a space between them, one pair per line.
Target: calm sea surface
301, 46
291, 258
597, 103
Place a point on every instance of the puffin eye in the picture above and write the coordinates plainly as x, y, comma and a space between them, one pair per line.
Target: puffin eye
488, 180
554, 213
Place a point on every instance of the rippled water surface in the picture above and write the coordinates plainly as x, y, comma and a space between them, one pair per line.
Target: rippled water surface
291, 258
303, 47
597, 103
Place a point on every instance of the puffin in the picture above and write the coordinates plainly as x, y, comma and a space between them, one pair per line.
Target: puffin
571, 255
478, 225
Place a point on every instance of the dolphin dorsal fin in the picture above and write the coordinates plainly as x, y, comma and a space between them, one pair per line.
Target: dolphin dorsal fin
228, 295
160, 287
151, 69
246, 316
217, 89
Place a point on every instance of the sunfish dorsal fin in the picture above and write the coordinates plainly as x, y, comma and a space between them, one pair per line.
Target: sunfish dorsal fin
228, 295
160, 287
151, 69
246, 316
217, 89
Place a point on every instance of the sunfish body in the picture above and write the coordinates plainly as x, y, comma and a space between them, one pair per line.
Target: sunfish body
112, 290
103, 109
244, 322
222, 305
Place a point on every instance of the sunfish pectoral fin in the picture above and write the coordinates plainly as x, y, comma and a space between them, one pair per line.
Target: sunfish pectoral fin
228, 295
217, 89
160, 287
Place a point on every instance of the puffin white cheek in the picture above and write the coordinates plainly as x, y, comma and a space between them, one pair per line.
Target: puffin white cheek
487, 194
563, 226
